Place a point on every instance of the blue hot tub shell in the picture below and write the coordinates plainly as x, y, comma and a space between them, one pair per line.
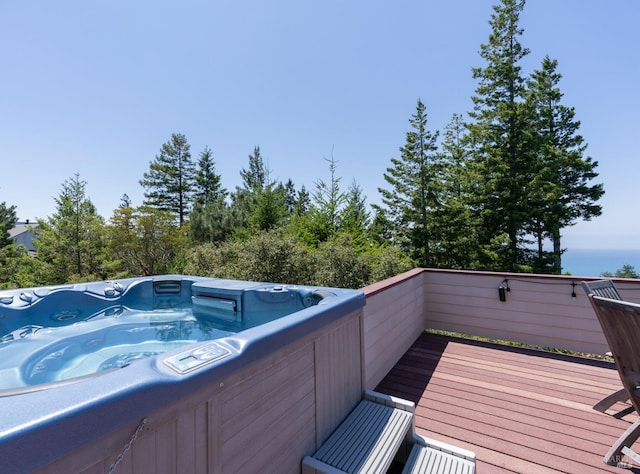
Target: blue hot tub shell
61, 417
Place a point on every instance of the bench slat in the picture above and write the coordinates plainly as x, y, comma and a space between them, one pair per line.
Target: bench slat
429, 459
367, 439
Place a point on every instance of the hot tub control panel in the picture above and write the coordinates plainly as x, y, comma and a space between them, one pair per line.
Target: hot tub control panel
196, 358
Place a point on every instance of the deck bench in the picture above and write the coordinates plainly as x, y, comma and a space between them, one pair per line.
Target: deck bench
378, 430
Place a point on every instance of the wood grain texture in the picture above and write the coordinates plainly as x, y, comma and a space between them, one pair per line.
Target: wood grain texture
518, 410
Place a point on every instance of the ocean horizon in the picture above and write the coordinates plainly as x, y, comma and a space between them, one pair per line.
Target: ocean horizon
595, 262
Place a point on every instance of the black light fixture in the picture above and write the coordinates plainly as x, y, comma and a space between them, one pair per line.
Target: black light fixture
502, 290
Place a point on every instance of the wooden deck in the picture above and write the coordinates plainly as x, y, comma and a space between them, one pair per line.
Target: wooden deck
519, 410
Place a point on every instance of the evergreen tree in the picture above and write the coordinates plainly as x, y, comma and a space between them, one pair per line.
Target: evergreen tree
245, 199
170, 180
208, 183
263, 201
270, 207
381, 229
561, 192
354, 218
627, 271
8, 221
121, 234
500, 136
303, 202
454, 225
327, 203
18, 269
122, 214
297, 202
209, 219
290, 196
238, 212
255, 178
413, 198
210, 222
299, 215
71, 242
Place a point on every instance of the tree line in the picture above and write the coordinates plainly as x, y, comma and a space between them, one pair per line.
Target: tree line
493, 193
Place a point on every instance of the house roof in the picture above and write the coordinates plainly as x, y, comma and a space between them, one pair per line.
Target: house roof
23, 234
20, 228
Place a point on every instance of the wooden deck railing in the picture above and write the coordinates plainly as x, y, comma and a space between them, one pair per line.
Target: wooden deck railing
539, 310
392, 319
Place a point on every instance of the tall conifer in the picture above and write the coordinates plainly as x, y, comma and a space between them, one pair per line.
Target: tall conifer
71, 242
169, 182
209, 219
413, 196
500, 136
561, 188
8, 220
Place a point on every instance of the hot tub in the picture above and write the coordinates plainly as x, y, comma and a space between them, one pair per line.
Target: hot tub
78, 362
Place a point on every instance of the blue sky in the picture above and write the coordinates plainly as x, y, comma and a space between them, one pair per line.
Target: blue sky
97, 87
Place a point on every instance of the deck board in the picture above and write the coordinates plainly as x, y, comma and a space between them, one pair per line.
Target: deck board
519, 410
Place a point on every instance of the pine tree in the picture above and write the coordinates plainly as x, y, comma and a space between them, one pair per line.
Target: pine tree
354, 219
561, 192
270, 207
170, 180
255, 178
290, 196
121, 234
303, 202
209, 218
413, 196
245, 198
208, 183
298, 223
71, 242
455, 228
261, 203
122, 214
8, 220
327, 203
18, 269
499, 133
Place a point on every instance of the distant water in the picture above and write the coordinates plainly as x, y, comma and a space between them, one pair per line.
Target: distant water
594, 262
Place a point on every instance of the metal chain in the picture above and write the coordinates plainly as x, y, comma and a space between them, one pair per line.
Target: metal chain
127, 446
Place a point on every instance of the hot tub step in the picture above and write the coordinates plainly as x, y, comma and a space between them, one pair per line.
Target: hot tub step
367, 440
379, 430
431, 456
